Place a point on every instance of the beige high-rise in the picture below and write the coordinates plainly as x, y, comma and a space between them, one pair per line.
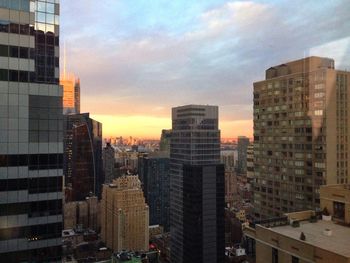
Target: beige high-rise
301, 128
124, 215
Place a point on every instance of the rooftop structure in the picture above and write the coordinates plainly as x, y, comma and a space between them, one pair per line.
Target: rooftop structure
306, 236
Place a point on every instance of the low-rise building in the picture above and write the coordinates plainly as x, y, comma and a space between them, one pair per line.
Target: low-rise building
305, 236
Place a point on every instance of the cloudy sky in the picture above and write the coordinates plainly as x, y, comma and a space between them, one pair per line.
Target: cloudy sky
138, 58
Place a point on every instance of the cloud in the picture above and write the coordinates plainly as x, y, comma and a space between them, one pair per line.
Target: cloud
134, 58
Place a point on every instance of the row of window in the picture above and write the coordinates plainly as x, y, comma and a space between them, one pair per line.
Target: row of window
33, 209
26, 29
20, 5
27, 76
34, 161
32, 233
17, 52
33, 185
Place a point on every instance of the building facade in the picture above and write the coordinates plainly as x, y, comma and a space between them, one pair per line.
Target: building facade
124, 215
109, 163
155, 168
164, 144
82, 214
196, 186
30, 132
250, 162
301, 134
242, 146
71, 94
305, 236
83, 170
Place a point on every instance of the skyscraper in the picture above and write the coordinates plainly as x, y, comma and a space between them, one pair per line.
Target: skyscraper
71, 94
109, 170
154, 171
301, 124
30, 132
164, 144
242, 146
82, 156
196, 186
124, 215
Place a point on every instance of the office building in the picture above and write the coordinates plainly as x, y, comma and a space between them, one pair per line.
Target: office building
305, 236
82, 157
109, 163
71, 94
164, 144
30, 132
227, 157
301, 137
196, 186
155, 168
124, 215
82, 214
242, 146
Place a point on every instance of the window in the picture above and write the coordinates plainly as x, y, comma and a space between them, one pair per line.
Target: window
319, 94
4, 75
339, 210
295, 259
318, 112
14, 28
13, 52
4, 26
4, 51
274, 255
319, 86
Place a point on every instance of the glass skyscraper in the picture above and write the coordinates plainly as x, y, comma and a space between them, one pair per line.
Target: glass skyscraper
30, 132
196, 186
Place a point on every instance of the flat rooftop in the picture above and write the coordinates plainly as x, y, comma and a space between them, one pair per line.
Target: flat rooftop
338, 242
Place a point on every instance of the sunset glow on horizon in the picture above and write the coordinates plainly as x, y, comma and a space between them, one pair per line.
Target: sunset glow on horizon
149, 127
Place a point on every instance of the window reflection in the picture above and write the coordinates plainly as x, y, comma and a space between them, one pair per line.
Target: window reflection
50, 8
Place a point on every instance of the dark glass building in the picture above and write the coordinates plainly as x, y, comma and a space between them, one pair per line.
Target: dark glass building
164, 144
196, 186
154, 174
82, 157
31, 143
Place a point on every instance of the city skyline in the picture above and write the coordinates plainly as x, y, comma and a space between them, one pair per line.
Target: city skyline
149, 57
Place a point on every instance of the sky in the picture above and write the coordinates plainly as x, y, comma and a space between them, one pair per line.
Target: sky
137, 59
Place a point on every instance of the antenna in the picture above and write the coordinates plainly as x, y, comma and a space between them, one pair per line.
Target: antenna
64, 60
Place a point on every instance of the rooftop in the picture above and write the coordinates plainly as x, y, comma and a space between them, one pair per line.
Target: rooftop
338, 242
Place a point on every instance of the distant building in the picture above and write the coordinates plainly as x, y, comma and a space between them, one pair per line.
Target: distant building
82, 214
82, 156
231, 185
109, 163
71, 94
242, 146
227, 157
305, 236
301, 141
196, 186
154, 170
124, 215
164, 144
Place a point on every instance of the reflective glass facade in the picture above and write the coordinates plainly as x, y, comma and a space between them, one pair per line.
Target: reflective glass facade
31, 143
83, 157
196, 186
